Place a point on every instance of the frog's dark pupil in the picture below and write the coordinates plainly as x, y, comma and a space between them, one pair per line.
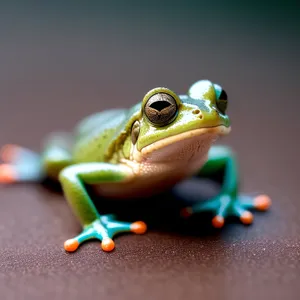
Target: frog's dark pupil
160, 105
223, 95
160, 109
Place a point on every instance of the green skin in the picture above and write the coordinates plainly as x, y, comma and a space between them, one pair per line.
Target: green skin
101, 152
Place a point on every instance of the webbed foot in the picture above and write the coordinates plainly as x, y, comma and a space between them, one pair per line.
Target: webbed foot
104, 230
225, 205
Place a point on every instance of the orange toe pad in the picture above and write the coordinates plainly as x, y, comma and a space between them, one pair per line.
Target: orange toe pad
107, 245
247, 218
218, 222
71, 245
138, 227
262, 202
7, 174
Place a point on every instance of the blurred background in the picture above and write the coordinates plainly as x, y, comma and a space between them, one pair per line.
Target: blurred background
60, 61
69, 58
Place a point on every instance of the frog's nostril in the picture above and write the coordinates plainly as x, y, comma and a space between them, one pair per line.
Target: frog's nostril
197, 112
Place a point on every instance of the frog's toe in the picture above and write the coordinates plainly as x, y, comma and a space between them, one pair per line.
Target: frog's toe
8, 174
107, 244
138, 227
11, 173
245, 216
244, 203
15, 154
71, 245
262, 202
218, 221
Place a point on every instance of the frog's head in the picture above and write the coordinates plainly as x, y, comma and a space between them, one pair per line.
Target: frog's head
173, 127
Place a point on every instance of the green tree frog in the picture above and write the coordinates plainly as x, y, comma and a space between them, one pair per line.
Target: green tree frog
136, 152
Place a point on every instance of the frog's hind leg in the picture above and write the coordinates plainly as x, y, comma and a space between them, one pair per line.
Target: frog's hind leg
23, 165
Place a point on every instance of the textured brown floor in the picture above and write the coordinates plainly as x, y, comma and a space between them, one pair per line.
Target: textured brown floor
59, 64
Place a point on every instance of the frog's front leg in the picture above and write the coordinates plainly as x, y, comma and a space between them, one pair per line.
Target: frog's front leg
73, 180
228, 202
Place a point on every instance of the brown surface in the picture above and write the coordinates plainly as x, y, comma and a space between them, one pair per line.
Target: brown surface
59, 64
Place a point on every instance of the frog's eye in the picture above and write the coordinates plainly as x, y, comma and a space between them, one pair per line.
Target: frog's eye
222, 102
161, 109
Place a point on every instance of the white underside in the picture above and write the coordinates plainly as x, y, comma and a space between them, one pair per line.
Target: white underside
162, 164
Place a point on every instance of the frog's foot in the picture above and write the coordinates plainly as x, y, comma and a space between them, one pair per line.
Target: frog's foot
104, 229
225, 205
15, 154
20, 164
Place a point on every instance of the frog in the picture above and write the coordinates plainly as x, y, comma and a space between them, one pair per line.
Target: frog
138, 152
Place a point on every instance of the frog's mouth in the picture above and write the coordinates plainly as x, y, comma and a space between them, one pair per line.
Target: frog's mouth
186, 147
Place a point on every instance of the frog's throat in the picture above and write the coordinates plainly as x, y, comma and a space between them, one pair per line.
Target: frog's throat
210, 134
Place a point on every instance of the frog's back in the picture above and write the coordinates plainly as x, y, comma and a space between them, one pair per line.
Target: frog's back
95, 133
98, 136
